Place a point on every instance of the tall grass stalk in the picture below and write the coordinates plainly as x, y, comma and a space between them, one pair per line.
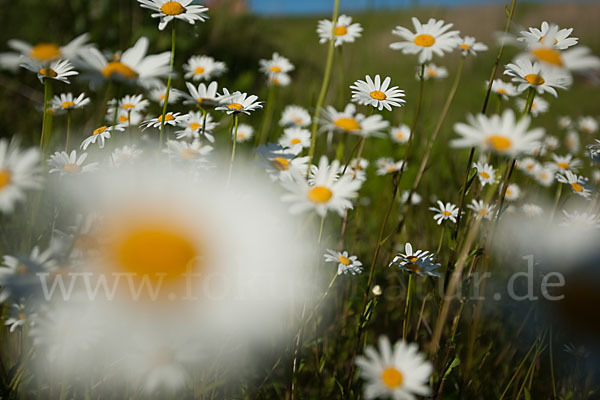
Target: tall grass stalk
169, 82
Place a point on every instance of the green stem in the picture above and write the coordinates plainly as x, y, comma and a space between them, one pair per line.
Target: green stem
234, 135
529, 102
169, 81
406, 307
204, 115
68, 131
45, 117
324, 85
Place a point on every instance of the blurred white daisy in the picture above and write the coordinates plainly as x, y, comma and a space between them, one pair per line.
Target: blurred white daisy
432, 71
415, 198
481, 209
59, 70
587, 124
282, 163
431, 38
132, 118
513, 192
400, 134
295, 137
579, 184
275, 66
572, 142
564, 122
539, 105
188, 152
203, 68
544, 175
563, 163
387, 165
469, 45
400, 373
159, 94
18, 316
560, 39
527, 165
193, 124
19, 171
579, 220
294, 116
99, 135
168, 10
503, 89
69, 164
502, 134
346, 263
377, 94
280, 79
344, 31
172, 119
532, 210
66, 102
350, 122
238, 102
485, 172
444, 212
45, 52
245, 132
534, 75
125, 155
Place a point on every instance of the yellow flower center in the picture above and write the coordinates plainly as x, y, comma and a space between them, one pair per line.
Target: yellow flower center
199, 70
412, 258
399, 135
499, 143
123, 118
21, 316
483, 212
344, 260
562, 165
235, 106
168, 117
200, 99
431, 72
341, 30
49, 72
484, 174
275, 69
100, 130
347, 124
502, 91
295, 141
241, 136
577, 187
392, 378
195, 125
118, 68
21, 270
71, 167
320, 194
446, 213
534, 79
550, 56
464, 46
190, 154
67, 104
508, 192
424, 40
128, 106
5, 176
378, 95
280, 163
172, 8
45, 51
298, 121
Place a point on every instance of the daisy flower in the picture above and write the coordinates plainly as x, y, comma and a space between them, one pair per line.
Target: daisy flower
485, 172
282, 163
503, 89
356, 169
594, 150
66, 102
544, 175
204, 96
431, 38
123, 117
400, 372
47, 52
100, 135
295, 137
69, 164
414, 199
168, 10
326, 193
400, 134
350, 122
512, 192
275, 66
19, 171
418, 262
245, 132
563, 163
129, 103
533, 75
561, 37
59, 70
125, 155
481, 209
388, 166
469, 45
203, 68
18, 316
578, 183
580, 220
444, 212
572, 142
527, 165
238, 102
343, 31
132, 66
587, 124
377, 94
279, 80
172, 119
564, 122
432, 71
345, 262
539, 106
159, 94
193, 123
502, 134
551, 142
189, 152
294, 116
532, 210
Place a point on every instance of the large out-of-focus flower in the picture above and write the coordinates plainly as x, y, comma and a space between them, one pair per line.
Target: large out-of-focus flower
19, 171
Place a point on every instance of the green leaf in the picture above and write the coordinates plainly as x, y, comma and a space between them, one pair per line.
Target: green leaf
453, 365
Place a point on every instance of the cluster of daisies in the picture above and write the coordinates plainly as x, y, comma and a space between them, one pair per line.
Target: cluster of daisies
133, 124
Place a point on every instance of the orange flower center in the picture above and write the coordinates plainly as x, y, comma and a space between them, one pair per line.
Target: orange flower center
344, 260
49, 72
118, 68
550, 56
577, 187
378, 95
341, 30
320, 194
168, 117
71, 167
280, 163
424, 40
295, 141
499, 143
484, 174
5, 176
392, 378
100, 130
534, 79
128, 106
235, 106
347, 124
195, 125
172, 8
45, 51
275, 69
67, 104
199, 70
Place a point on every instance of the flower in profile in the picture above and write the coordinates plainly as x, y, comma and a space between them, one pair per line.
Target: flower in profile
377, 94
295, 138
66, 102
444, 212
561, 37
532, 210
432, 71
194, 127
294, 116
159, 94
203, 68
168, 10
572, 142
132, 66
59, 70
19, 171
527, 165
279, 80
172, 119
346, 263
349, 121
579, 184
400, 134
69, 164
237, 102
594, 150
282, 163
276, 66
503, 89
343, 31
45, 52
485, 172
539, 105
194, 152
326, 191
579, 220
203, 96
18, 316
587, 124
125, 155
481, 209
470, 46
420, 262
513, 192
564, 163
431, 38
99, 135
398, 372
544, 175
387, 165
129, 103
245, 132
533, 75
502, 134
